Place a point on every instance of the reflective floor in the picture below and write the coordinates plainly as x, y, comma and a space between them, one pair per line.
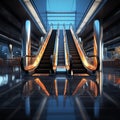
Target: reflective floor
58, 97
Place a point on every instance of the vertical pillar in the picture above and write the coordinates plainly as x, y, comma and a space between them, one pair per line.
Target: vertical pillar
11, 50
80, 39
27, 105
41, 40
98, 32
26, 43
105, 53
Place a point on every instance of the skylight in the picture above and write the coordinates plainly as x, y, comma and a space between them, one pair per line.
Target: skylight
59, 14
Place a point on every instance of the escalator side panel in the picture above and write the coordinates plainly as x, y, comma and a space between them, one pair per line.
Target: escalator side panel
45, 65
77, 65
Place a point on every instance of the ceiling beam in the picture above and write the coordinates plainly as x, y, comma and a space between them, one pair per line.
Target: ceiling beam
30, 9
90, 13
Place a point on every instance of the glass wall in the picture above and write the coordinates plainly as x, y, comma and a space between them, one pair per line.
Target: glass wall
5, 51
59, 14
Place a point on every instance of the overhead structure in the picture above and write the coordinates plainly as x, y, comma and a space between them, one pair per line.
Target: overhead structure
89, 14
29, 7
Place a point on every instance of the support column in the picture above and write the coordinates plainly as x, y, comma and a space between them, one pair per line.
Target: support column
41, 40
98, 32
11, 51
26, 43
105, 54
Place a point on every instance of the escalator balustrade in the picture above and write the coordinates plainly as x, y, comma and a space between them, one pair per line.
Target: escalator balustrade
45, 63
76, 65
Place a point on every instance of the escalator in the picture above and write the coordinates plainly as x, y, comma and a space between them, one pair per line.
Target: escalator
45, 63
77, 65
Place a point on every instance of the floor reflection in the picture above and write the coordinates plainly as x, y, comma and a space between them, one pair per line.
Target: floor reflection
112, 76
3, 80
10, 76
58, 97
27, 105
60, 108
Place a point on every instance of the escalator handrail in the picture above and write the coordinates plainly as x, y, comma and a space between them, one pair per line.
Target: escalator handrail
66, 51
39, 55
55, 52
83, 56
95, 56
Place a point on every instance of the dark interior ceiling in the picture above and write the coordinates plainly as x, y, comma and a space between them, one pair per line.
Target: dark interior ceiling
12, 20
13, 16
108, 16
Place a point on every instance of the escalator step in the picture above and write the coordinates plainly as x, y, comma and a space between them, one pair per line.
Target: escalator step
42, 70
45, 65
79, 71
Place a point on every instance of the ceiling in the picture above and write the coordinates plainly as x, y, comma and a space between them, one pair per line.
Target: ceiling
79, 13
62, 12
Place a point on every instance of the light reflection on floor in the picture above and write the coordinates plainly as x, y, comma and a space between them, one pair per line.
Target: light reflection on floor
10, 76
112, 76
31, 98
3, 80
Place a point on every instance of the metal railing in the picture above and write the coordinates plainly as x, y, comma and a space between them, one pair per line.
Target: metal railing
55, 52
66, 51
34, 62
97, 64
91, 65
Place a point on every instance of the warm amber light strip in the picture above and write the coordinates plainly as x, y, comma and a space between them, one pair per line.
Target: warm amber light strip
40, 54
65, 88
56, 88
92, 86
81, 83
66, 52
37, 74
55, 54
84, 74
38, 81
82, 55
